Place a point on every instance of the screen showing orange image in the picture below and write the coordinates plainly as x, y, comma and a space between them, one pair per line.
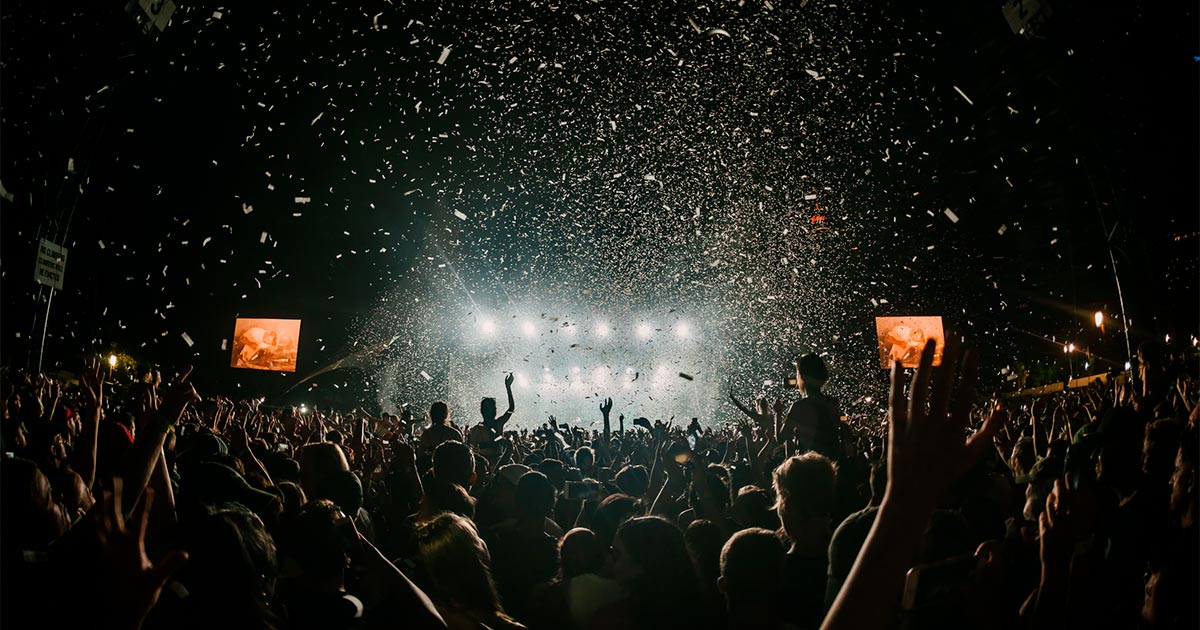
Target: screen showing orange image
903, 338
265, 344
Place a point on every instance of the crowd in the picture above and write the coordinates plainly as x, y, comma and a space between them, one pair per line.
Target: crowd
146, 505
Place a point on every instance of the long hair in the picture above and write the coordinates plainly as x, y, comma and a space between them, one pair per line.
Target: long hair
457, 561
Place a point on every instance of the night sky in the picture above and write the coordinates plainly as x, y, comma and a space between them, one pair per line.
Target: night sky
409, 170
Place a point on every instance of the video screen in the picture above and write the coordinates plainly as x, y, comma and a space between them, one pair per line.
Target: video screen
265, 344
903, 338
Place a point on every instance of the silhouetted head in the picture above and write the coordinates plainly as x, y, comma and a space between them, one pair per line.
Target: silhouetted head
812, 373
453, 462
439, 412
487, 409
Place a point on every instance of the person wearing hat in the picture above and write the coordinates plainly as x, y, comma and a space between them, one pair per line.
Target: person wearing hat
815, 419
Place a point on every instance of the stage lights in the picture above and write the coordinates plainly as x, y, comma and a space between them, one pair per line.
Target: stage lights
644, 331
487, 327
602, 329
528, 329
682, 330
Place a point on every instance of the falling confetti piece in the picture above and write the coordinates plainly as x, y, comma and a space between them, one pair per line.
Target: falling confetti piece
303, 199
426, 375
444, 56
950, 215
187, 339
460, 215
962, 94
687, 377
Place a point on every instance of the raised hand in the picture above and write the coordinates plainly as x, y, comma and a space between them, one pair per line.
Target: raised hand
176, 400
606, 407
508, 380
131, 581
927, 450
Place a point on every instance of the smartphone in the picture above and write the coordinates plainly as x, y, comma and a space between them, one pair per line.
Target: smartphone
582, 490
790, 382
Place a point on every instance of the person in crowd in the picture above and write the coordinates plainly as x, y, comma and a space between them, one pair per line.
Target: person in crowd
804, 486
751, 572
814, 419
458, 564
439, 429
1077, 510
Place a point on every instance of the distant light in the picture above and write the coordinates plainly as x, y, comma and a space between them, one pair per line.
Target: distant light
112, 360
1167, 339
529, 329
868, 400
575, 369
644, 331
522, 381
1071, 347
1087, 365
682, 330
303, 408
602, 329
487, 327
1099, 319
1128, 366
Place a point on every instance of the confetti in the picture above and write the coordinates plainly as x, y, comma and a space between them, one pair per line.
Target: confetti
187, 339
962, 94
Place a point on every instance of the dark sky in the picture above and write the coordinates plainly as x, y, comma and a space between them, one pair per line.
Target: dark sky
616, 158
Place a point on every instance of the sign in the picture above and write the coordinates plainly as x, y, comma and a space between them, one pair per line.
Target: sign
51, 262
1026, 17
151, 14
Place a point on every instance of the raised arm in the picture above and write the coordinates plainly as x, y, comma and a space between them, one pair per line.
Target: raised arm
92, 380
605, 410
152, 434
508, 383
926, 454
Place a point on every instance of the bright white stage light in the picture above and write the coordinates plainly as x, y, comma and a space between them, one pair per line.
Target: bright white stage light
600, 375
644, 331
487, 327
522, 381
529, 329
682, 330
575, 369
602, 329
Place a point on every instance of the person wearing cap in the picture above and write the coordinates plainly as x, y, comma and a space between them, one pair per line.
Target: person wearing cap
815, 419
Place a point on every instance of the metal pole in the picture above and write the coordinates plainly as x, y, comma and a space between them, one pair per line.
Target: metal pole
45, 324
1121, 301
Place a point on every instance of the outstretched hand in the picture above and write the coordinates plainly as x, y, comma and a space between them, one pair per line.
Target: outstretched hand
927, 449
606, 407
175, 401
508, 380
92, 379
133, 582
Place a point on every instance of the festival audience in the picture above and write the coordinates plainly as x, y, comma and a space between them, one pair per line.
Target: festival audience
1075, 509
